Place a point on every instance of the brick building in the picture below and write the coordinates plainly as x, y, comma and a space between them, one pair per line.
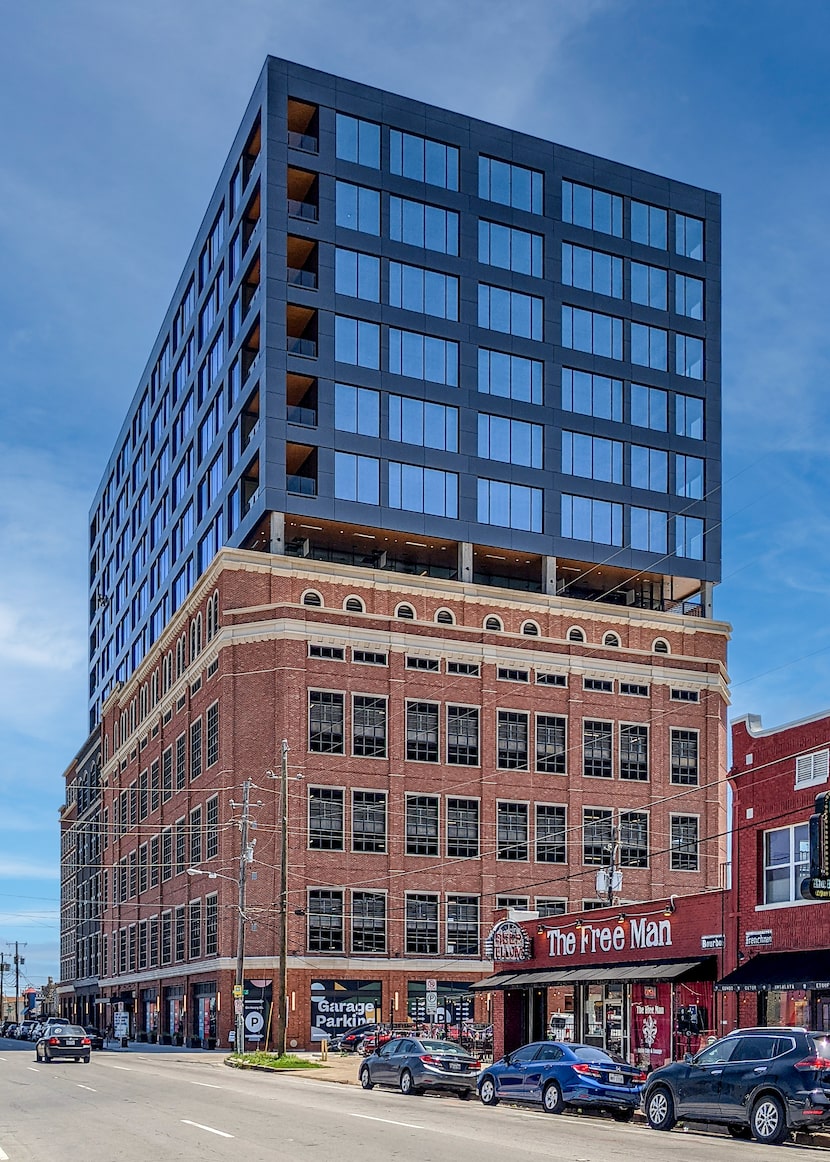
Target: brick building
453, 754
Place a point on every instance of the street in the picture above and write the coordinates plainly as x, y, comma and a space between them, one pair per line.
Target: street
135, 1107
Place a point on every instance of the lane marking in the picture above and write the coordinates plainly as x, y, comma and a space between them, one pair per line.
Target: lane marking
33, 1069
388, 1121
210, 1129
89, 1087
206, 1084
3, 1155
125, 1068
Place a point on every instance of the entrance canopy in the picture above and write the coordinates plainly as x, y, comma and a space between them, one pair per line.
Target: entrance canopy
780, 970
665, 970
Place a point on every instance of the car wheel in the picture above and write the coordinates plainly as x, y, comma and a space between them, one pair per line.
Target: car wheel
768, 1120
622, 1115
487, 1092
86, 1061
660, 1109
366, 1078
552, 1102
408, 1087
743, 1133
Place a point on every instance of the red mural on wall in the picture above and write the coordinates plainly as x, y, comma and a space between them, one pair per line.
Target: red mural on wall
651, 1024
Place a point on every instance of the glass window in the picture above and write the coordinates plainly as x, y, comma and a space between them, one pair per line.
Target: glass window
510, 376
357, 140
649, 346
633, 839
649, 407
356, 342
688, 477
649, 530
512, 831
689, 356
426, 291
786, 862
684, 842
688, 236
356, 478
592, 395
416, 421
510, 185
649, 286
422, 924
509, 311
422, 732
357, 208
427, 490
356, 409
551, 834
512, 749
419, 224
634, 752
648, 225
593, 209
551, 744
688, 296
325, 722
423, 357
597, 742
369, 726
584, 519
597, 836
684, 758
510, 441
462, 735
649, 468
509, 505
688, 416
688, 536
462, 828
368, 922
509, 248
462, 926
421, 825
592, 457
592, 270
369, 821
593, 332
357, 274
325, 920
325, 819
423, 160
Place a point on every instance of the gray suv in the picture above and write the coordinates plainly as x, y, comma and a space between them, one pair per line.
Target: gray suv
759, 1083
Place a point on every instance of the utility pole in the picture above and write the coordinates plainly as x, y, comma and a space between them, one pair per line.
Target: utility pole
244, 860
3, 969
282, 992
18, 960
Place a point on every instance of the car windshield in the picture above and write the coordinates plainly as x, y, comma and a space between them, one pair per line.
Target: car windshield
448, 1048
588, 1053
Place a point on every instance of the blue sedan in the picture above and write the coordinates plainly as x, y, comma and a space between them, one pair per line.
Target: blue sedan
556, 1074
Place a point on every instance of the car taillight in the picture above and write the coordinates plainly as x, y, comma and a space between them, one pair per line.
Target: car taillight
586, 1070
475, 1065
638, 1078
53, 1041
428, 1059
86, 1041
819, 1064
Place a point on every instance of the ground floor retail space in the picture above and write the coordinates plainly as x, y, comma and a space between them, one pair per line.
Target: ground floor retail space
782, 988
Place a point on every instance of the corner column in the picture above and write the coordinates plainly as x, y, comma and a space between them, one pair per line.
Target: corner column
276, 533
465, 561
549, 575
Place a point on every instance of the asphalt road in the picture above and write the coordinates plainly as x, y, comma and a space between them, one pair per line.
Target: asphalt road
146, 1107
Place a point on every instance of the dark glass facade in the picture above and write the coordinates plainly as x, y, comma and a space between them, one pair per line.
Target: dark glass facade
407, 339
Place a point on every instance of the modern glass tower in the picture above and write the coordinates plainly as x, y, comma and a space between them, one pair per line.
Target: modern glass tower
408, 339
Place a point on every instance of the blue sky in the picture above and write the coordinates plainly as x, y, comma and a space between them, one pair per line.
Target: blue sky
116, 121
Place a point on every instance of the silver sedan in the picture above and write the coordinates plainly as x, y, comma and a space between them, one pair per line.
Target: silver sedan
414, 1065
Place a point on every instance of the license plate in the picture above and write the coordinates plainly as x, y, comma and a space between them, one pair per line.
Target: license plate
71, 1042
616, 1079
455, 1066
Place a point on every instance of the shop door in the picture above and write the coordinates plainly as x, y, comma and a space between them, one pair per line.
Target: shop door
538, 1029
821, 1019
516, 1019
604, 1018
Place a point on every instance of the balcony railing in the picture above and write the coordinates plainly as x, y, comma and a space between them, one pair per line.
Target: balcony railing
301, 485
307, 278
305, 416
306, 210
304, 141
296, 346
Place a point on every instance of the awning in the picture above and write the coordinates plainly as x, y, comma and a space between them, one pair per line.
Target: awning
660, 970
780, 970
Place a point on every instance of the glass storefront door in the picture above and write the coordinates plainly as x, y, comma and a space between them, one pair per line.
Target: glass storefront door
603, 1009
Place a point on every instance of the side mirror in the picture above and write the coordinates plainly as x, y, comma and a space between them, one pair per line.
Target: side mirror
506, 1059
687, 1057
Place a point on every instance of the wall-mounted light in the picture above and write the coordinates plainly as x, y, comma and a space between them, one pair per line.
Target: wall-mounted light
670, 908
621, 919
397, 998
540, 931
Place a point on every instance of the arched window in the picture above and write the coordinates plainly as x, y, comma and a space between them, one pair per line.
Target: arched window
209, 621
661, 646
212, 616
106, 747
166, 671
142, 703
575, 634
493, 623
445, 617
115, 736
312, 597
154, 688
132, 715
530, 629
405, 611
354, 605
611, 639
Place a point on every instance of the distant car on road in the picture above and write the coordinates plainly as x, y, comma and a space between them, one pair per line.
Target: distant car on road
556, 1074
69, 1041
96, 1037
415, 1064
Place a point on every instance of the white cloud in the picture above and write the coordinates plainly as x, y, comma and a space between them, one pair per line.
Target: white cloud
24, 869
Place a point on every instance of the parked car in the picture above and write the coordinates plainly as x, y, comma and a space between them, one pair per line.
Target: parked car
96, 1037
67, 1041
11, 1030
415, 1064
373, 1040
349, 1041
556, 1074
759, 1083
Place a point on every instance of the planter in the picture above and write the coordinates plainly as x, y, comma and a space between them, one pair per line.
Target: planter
195, 1042
152, 1038
211, 1043
142, 1037
178, 1039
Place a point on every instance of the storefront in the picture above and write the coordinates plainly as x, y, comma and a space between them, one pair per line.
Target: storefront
789, 988
637, 982
203, 1015
149, 1014
174, 1015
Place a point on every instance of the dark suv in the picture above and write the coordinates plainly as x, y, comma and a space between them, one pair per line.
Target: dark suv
759, 1083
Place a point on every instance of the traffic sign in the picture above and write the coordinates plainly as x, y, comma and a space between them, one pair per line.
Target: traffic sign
432, 984
238, 1006
432, 1002
238, 991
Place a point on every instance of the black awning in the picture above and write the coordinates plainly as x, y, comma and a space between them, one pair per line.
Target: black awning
656, 971
780, 970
